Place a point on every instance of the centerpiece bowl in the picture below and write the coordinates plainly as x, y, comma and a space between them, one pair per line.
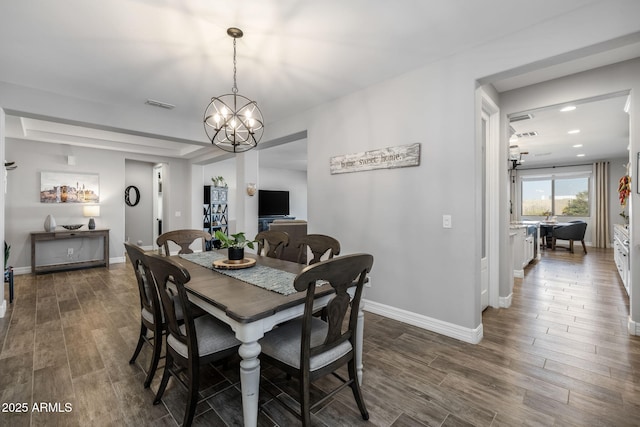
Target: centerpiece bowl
72, 226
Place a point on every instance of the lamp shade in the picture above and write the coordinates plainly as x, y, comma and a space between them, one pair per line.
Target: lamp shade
91, 211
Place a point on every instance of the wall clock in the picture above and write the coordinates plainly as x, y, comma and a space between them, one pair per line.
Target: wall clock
131, 195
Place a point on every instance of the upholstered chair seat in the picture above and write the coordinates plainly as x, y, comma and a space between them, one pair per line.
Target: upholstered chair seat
285, 345
212, 336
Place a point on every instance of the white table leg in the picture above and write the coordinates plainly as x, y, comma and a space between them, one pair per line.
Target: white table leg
250, 381
359, 340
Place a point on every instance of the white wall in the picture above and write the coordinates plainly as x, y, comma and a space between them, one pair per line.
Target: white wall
24, 212
295, 182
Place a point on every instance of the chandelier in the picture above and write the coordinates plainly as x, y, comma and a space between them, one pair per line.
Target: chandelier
233, 122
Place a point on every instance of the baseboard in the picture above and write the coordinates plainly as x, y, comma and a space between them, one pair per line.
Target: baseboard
633, 327
21, 270
27, 270
505, 302
473, 336
3, 308
518, 273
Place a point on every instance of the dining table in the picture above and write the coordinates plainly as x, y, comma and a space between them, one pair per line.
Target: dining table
253, 301
546, 231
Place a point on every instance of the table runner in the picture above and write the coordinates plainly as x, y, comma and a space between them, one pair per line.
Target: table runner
262, 276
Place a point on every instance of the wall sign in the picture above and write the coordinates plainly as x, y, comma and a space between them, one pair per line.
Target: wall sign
385, 158
131, 195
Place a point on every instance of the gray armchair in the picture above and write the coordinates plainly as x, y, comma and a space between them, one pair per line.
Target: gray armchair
574, 231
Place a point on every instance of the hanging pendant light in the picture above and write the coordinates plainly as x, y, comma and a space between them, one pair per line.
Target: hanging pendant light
233, 122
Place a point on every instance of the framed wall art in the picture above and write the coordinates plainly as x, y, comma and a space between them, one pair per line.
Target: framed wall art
69, 187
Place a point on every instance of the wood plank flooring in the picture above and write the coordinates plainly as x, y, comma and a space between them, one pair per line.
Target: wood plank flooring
560, 356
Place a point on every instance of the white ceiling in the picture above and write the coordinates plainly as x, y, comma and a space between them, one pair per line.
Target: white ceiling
296, 54
603, 133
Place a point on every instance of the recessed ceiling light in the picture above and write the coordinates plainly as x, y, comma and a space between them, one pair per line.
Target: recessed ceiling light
573, 131
568, 108
577, 146
580, 155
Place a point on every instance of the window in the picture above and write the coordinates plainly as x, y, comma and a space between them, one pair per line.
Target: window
555, 196
537, 197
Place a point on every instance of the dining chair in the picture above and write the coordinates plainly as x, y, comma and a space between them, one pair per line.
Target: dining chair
272, 242
318, 244
150, 312
184, 239
308, 348
197, 341
574, 231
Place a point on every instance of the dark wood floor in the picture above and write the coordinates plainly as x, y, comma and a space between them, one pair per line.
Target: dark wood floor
559, 356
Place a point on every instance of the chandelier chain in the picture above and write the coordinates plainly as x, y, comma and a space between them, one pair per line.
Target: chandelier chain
235, 84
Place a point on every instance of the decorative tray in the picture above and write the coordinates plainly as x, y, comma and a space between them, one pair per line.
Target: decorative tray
226, 264
71, 226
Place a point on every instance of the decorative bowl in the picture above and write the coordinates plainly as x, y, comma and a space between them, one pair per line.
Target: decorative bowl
72, 226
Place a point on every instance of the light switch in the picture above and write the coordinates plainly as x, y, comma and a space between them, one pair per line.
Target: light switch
446, 221
178, 213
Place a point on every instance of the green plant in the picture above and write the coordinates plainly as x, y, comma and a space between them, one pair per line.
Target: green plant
237, 240
218, 181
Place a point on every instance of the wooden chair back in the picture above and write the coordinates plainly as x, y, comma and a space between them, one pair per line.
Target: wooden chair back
164, 271
273, 242
184, 239
149, 299
341, 273
318, 244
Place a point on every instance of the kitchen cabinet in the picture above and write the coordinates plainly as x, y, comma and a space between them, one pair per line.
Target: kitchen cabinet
621, 253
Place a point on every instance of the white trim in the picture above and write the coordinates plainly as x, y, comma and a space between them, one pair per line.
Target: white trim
633, 327
473, 336
505, 302
518, 273
17, 271
493, 190
3, 307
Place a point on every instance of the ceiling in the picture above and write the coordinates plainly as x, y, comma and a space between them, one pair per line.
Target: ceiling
597, 129
295, 55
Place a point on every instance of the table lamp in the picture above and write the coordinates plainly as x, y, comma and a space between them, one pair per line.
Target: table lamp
91, 212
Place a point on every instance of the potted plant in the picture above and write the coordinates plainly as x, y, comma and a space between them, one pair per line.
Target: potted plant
235, 243
218, 181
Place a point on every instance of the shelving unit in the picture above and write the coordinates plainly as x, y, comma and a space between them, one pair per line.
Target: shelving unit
215, 212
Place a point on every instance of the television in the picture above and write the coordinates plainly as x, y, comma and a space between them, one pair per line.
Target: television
273, 202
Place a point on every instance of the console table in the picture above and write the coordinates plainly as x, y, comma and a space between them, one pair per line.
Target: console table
45, 236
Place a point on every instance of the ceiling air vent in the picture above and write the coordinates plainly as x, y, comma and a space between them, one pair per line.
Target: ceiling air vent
527, 134
521, 117
155, 103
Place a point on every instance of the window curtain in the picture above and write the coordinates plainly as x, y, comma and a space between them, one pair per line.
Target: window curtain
601, 184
